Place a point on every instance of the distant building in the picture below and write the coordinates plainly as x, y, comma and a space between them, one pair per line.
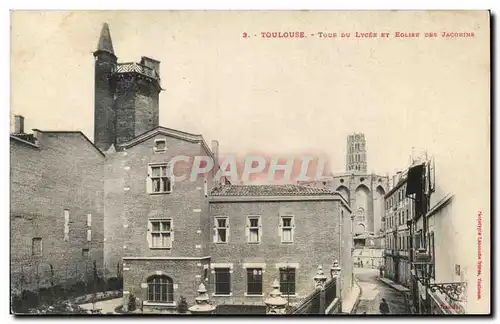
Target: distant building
356, 153
399, 209
364, 191
56, 208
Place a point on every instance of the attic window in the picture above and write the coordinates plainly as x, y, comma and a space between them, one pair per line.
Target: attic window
160, 145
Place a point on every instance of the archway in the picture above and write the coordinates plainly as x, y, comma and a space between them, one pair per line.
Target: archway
344, 192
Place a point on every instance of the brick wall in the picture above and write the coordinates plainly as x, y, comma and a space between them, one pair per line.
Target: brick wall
316, 241
66, 172
128, 205
136, 105
186, 276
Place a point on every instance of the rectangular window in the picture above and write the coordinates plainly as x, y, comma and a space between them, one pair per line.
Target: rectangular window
89, 220
253, 229
222, 281
221, 230
254, 281
287, 281
159, 177
160, 145
36, 246
287, 229
85, 253
66, 225
161, 233
89, 235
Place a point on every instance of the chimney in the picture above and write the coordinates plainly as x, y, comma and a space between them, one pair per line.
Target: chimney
151, 63
18, 124
215, 151
398, 175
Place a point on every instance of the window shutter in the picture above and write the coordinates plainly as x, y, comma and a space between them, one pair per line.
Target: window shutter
215, 230
280, 227
260, 230
227, 230
247, 229
205, 188
170, 175
148, 234
89, 235
172, 230
89, 220
149, 182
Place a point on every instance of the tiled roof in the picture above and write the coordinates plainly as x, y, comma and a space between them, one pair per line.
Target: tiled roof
269, 190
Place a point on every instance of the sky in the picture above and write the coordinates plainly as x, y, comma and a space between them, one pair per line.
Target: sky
277, 96
290, 96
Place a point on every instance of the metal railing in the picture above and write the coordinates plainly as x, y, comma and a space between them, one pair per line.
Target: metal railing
137, 68
311, 304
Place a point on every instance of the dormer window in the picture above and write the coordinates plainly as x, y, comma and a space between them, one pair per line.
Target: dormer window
160, 145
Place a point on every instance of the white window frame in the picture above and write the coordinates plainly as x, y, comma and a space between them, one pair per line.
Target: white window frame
258, 227
66, 224
150, 178
217, 227
295, 266
159, 140
161, 231
262, 267
214, 270
282, 228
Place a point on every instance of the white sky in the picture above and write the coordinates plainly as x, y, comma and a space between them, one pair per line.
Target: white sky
270, 95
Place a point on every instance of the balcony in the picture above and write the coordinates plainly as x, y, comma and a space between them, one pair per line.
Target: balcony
132, 67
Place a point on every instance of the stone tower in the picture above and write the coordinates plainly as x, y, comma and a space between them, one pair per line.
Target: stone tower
104, 113
356, 153
126, 95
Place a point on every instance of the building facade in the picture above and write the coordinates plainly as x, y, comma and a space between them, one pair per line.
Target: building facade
399, 211
364, 191
56, 209
172, 232
131, 203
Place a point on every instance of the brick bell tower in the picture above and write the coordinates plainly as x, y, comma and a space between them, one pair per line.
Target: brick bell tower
356, 153
126, 95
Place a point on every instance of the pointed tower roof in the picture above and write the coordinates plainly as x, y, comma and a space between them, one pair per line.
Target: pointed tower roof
105, 43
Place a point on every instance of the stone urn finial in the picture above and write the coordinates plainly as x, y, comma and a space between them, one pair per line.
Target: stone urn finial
202, 302
275, 303
320, 278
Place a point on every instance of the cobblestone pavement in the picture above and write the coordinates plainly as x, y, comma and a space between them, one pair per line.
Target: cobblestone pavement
374, 290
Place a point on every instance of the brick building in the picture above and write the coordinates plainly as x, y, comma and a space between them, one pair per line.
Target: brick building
263, 233
364, 191
399, 209
56, 216
166, 233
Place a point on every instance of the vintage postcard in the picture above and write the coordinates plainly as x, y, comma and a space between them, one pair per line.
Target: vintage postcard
250, 162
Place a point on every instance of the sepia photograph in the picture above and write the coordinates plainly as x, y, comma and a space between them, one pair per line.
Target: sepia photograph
180, 163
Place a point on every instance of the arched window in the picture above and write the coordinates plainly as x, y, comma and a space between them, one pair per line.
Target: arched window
160, 289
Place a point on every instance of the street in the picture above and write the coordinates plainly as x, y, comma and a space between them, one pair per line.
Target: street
374, 290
